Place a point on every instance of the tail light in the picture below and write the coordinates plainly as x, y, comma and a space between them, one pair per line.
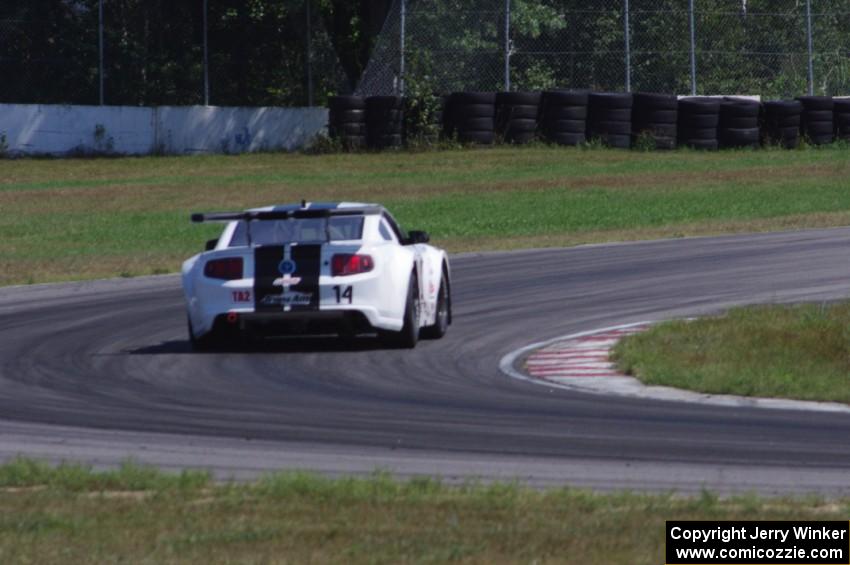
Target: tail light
343, 264
227, 269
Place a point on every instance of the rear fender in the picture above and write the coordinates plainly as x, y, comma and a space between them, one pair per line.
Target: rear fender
432, 268
447, 273
398, 265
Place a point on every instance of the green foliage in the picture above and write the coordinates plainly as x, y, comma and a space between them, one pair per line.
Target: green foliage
533, 18
800, 352
422, 122
323, 144
536, 75
644, 142
258, 49
153, 52
594, 144
23, 472
298, 517
129, 215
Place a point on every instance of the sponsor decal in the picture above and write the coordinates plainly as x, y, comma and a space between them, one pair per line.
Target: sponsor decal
288, 299
286, 279
287, 267
429, 311
242, 296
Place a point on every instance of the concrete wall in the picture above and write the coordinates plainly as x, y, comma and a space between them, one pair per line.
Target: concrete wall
34, 129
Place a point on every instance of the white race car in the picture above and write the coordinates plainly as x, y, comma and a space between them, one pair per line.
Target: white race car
316, 268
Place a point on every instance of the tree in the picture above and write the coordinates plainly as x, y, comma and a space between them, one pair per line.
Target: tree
353, 26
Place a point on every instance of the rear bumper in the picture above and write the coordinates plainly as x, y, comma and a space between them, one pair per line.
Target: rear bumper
296, 323
306, 322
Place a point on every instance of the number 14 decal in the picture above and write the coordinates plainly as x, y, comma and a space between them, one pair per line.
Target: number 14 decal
344, 293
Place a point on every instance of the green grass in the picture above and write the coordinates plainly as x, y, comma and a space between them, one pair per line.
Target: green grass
87, 218
70, 514
800, 352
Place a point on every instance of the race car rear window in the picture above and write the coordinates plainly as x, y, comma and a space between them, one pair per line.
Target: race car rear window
300, 230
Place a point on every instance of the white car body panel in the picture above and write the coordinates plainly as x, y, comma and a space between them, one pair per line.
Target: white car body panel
380, 295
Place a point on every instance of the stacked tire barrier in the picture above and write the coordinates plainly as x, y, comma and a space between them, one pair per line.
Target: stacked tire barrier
816, 124
841, 118
447, 131
563, 116
472, 117
739, 123
609, 118
654, 118
781, 122
384, 121
697, 123
347, 120
646, 120
516, 116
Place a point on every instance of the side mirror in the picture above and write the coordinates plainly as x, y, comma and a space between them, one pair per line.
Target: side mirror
210, 245
418, 237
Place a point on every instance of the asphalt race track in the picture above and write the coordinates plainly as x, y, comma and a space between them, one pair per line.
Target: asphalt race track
99, 372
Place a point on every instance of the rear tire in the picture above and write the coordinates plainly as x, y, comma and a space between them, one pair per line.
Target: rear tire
210, 341
409, 334
441, 324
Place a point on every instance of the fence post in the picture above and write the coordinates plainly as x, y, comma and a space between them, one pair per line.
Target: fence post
628, 46
811, 77
100, 50
206, 61
309, 60
507, 47
401, 38
693, 48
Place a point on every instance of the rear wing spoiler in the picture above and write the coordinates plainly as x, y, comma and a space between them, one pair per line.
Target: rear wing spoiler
297, 213
282, 214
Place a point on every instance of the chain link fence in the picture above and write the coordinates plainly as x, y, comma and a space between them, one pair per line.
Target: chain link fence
446, 46
226, 53
161, 53
772, 48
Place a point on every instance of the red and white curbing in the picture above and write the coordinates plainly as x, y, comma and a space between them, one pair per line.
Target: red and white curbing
580, 362
583, 357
